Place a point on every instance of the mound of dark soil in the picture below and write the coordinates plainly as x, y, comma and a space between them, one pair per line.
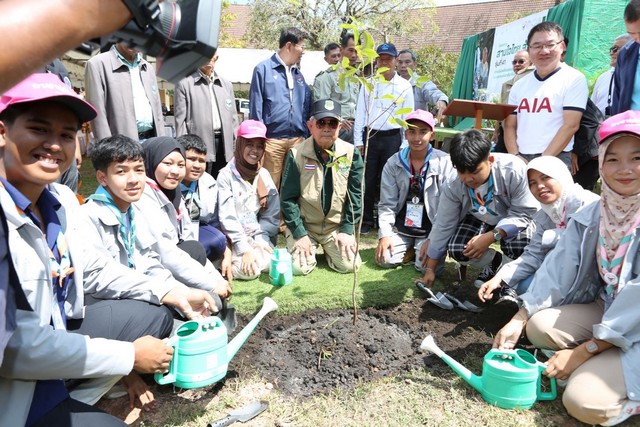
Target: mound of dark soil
319, 350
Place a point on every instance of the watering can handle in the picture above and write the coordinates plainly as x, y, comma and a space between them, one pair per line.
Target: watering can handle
170, 376
546, 395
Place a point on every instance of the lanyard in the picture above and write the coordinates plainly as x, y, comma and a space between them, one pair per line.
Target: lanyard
610, 270
126, 229
480, 204
405, 159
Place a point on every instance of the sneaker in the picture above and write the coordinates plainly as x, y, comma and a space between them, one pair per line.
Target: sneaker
489, 271
409, 257
508, 296
366, 229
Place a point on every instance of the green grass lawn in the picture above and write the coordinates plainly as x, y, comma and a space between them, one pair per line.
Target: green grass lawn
326, 289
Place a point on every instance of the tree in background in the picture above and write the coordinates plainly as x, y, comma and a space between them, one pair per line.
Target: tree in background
437, 66
321, 19
227, 20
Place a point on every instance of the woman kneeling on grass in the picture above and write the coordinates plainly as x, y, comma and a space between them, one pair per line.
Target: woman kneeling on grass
249, 205
583, 301
551, 183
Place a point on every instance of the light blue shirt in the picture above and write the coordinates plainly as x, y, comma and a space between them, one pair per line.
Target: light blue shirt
141, 104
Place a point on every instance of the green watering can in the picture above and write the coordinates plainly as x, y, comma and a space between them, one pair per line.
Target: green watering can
201, 353
511, 379
281, 268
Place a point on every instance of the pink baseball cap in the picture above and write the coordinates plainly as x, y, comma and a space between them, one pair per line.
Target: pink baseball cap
423, 116
252, 129
627, 122
45, 86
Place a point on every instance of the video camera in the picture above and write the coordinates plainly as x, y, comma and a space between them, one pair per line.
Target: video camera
181, 34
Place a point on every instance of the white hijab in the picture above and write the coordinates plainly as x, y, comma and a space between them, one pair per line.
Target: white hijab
555, 168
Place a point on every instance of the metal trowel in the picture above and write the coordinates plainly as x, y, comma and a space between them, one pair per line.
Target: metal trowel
243, 414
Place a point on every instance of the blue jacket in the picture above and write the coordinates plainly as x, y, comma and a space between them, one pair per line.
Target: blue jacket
624, 78
269, 100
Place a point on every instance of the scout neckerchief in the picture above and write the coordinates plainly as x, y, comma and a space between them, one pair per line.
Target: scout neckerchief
126, 220
480, 203
405, 159
61, 268
191, 199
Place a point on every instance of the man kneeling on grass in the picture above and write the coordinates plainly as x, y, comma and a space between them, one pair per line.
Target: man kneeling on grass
321, 196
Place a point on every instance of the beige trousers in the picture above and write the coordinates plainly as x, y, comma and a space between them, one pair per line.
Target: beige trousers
334, 258
275, 154
595, 391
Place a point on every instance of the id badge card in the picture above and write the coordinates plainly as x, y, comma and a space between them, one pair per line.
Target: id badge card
413, 218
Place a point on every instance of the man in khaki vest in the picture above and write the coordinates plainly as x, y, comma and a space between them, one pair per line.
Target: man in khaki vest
321, 194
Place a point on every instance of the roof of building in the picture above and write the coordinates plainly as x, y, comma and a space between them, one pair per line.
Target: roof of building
242, 13
455, 23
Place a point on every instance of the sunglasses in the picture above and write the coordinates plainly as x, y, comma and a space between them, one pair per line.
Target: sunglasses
518, 61
332, 124
614, 49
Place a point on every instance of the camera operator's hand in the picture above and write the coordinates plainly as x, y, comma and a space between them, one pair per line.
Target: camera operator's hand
153, 356
32, 43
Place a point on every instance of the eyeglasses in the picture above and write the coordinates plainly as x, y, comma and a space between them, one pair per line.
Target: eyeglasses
332, 124
548, 46
518, 61
614, 49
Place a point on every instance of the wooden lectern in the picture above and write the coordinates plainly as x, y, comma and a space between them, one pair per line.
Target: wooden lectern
478, 110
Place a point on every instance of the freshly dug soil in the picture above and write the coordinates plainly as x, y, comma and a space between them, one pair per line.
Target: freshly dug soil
318, 350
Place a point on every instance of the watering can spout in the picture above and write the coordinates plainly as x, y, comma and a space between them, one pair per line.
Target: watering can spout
475, 381
238, 341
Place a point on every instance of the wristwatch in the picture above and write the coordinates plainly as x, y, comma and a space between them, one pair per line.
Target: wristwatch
592, 347
496, 235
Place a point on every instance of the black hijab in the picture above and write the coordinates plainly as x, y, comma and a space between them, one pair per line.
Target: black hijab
154, 151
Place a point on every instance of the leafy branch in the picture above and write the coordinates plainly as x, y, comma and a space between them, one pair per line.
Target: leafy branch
347, 74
